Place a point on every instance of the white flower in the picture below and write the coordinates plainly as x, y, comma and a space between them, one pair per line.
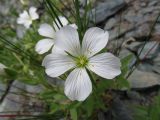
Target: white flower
48, 31
2, 71
26, 17
24, 2
81, 57
64, 22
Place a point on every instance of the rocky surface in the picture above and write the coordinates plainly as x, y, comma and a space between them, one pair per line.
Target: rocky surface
21, 100
104, 10
132, 26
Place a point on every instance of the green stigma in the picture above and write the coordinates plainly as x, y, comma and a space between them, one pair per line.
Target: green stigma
81, 61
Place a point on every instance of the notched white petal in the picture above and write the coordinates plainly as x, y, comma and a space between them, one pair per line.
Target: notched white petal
44, 46
74, 26
58, 50
63, 20
24, 19
95, 39
57, 64
78, 85
105, 65
67, 39
46, 30
33, 13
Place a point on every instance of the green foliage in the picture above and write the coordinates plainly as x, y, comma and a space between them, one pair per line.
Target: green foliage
11, 73
73, 113
121, 81
150, 112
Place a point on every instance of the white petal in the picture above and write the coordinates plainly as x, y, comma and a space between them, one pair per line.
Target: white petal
78, 85
44, 45
33, 13
105, 65
73, 25
46, 30
23, 17
28, 23
57, 64
63, 20
56, 49
67, 39
95, 39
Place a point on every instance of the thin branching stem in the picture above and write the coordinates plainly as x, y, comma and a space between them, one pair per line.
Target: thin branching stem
17, 49
119, 30
51, 14
54, 11
61, 12
78, 18
148, 38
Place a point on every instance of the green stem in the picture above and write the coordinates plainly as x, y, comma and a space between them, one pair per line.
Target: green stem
78, 19
91, 77
54, 12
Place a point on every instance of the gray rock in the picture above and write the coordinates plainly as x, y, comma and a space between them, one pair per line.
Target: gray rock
34, 89
106, 9
20, 31
150, 50
152, 3
149, 9
156, 69
132, 44
2, 89
120, 110
134, 96
143, 4
141, 79
110, 24
156, 60
55, 81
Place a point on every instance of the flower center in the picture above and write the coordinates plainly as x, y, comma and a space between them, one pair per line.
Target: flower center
81, 61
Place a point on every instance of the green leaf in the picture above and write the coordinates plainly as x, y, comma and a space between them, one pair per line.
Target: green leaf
48, 94
11, 73
140, 113
73, 113
125, 64
89, 105
121, 82
155, 109
103, 85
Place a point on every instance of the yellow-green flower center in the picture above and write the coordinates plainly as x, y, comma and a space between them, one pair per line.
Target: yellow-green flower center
81, 61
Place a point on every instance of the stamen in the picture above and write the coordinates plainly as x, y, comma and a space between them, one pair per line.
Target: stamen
81, 61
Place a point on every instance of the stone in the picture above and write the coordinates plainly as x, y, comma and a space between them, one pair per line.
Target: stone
141, 79
34, 89
106, 9
156, 69
20, 31
143, 4
152, 3
55, 81
2, 89
110, 24
150, 50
